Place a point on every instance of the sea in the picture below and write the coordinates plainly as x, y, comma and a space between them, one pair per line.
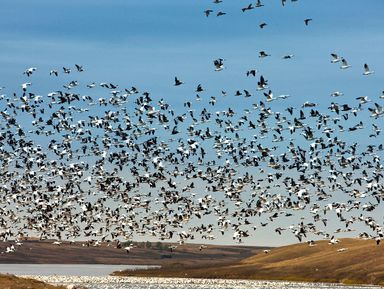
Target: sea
93, 276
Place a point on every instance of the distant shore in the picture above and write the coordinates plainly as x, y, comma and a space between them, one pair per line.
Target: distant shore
140, 282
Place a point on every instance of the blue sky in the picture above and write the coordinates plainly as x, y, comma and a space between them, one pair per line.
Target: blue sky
130, 42
147, 43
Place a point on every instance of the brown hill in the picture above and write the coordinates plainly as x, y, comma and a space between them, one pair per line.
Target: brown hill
13, 282
350, 261
44, 252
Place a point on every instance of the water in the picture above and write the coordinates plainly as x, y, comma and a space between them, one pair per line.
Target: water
111, 282
66, 269
94, 276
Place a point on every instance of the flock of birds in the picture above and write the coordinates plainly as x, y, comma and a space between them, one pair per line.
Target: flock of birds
249, 7
108, 168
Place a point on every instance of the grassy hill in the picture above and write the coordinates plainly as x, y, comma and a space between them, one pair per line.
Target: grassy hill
350, 261
45, 252
12, 282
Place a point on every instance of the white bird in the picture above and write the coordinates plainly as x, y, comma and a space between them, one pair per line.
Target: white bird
25, 85
335, 58
269, 96
29, 71
337, 93
366, 70
128, 249
54, 72
344, 64
10, 249
342, 249
333, 241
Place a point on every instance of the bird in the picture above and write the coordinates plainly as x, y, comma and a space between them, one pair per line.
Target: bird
288, 56
335, 58
218, 63
269, 96
208, 12
54, 72
307, 20
30, 71
79, 68
25, 85
251, 72
221, 13
262, 25
259, 4
262, 83
263, 54
178, 82
344, 64
367, 71
100, 161
337, 94
249, 7
128, 248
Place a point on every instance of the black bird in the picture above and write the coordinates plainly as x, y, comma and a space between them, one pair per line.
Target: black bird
178, 82
306, 21
207, 12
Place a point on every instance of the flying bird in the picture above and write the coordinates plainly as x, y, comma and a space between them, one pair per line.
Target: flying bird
263, 54
249, 7
178, 82
208, 12
367, 71
344, 64
335, 58
288, 56
259, 4
218, 63
306, 21
262, 25
251, 72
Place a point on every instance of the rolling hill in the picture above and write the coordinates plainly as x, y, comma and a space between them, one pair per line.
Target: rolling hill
351, 261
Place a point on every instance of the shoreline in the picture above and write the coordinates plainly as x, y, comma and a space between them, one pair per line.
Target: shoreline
84, 280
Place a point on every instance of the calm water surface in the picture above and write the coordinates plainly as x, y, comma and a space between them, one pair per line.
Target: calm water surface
94, 276
111, 282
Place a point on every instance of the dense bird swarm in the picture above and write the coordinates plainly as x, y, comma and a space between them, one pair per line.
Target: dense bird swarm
102, 162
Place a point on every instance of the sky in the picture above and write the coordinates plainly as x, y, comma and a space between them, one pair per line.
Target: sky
147, 43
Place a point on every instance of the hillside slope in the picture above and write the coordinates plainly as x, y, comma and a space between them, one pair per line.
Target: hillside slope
350, 261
